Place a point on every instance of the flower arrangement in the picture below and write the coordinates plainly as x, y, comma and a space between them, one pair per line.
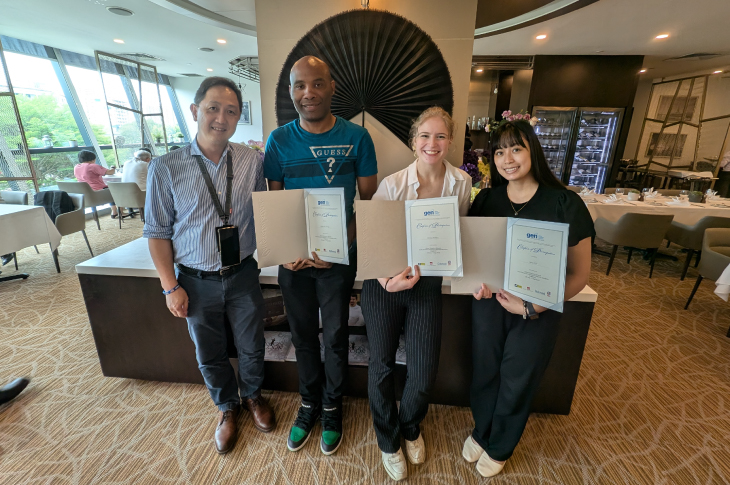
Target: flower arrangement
509, 116
257, 146
470, 165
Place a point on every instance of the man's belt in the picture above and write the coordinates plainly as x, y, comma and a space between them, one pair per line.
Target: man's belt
228, 270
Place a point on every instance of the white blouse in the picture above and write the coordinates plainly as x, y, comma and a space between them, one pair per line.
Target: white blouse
403, 185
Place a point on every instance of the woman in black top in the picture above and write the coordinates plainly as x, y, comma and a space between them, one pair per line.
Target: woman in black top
511, 351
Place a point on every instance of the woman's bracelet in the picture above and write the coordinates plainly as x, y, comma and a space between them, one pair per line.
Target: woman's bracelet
169, 292
386, 284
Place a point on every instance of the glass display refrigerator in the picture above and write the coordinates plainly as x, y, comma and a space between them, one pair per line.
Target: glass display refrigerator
554, 129
592, 134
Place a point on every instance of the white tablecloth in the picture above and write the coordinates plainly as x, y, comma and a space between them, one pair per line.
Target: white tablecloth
723, 284
686, 215
22, 226
111, 178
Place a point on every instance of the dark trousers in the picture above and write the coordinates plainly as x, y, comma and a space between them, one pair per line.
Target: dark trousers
418, 312
237, 296
307, 292
510, 356
723, 184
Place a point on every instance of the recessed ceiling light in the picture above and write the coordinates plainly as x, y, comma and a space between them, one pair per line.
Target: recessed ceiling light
119, 41
598, 52
480, 70
205, 49
662, 36
717, 72
124, 12
210, 70
541, 37
643, 70
222, 41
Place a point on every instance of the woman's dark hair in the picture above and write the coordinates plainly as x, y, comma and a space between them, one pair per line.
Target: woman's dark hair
86, 156
213, 81
514, 133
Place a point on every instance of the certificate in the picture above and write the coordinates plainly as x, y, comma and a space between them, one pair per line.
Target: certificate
535, 261
327, 224
433, 236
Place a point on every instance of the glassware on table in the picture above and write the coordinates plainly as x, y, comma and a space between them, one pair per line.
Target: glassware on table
620, 192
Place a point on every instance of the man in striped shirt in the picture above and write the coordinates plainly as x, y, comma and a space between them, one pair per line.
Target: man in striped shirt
181, 224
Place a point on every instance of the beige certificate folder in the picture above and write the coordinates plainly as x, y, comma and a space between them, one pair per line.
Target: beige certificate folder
281, 226
381, 238
483, 248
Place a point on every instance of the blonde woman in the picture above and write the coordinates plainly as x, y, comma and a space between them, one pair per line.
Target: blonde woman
410, 303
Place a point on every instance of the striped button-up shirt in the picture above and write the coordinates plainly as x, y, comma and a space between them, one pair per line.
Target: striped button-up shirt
178, 205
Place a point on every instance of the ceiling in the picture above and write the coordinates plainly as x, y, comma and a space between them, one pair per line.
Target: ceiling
85, 25
175, 29
623, 27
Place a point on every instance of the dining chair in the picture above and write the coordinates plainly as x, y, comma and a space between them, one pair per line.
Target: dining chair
691, 237
635, 231
92, 198
715, 258
71, 222
573, 188
17, 197
128, 194
669, 192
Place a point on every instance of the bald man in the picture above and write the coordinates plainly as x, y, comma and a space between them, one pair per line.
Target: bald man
319, 150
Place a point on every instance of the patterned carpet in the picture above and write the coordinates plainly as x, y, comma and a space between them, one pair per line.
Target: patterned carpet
651, 404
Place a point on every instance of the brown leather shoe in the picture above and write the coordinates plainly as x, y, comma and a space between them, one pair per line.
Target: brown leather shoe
226, 432
262, 414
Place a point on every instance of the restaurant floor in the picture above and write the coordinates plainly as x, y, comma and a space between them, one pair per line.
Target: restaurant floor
652, 403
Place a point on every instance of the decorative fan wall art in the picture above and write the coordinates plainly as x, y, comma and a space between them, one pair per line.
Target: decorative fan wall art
382, 64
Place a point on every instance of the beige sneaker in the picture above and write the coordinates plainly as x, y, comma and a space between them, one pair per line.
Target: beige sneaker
472, 451
488, 467
416, 450
395, 465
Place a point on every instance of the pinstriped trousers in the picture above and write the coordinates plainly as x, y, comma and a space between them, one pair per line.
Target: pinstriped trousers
418, 312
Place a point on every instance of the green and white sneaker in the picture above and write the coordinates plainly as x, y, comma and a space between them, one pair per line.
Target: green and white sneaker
303, 424
331, 430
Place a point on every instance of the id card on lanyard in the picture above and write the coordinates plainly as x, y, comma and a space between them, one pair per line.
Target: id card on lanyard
226, 235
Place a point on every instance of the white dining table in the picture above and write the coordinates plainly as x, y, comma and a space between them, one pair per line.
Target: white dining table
22, 226
689, 215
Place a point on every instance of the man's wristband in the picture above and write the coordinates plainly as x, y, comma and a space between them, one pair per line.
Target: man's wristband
169, 292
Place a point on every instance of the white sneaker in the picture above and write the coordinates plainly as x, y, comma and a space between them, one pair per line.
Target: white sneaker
472, 451
416, 450
395, 465
488, 467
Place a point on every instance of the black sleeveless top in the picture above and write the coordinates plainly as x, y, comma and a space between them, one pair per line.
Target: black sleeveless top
549, 204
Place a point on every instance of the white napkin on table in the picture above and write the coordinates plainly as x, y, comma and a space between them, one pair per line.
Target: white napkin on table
651, 193
584, 192
676, 201
723, 284
611, 199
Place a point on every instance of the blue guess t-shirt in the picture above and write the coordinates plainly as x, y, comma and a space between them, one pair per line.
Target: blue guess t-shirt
304, 160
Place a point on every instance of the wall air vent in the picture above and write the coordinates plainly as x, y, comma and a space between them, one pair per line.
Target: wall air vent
503, 63
189, 74
138, 56
697, 56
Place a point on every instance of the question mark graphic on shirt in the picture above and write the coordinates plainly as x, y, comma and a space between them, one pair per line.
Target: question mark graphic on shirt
331, 161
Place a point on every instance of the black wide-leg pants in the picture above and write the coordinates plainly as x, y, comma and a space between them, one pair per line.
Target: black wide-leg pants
510, 356
418, 313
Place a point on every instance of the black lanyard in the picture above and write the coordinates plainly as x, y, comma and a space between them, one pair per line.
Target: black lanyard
224, 215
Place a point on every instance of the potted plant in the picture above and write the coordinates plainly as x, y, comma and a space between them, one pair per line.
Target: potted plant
633, 195
157, 135
73, 143
695, 196
179, 137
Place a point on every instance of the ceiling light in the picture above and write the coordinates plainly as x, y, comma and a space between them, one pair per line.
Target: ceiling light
210, 70
222, 41
480, 70
598, 52
124, 12
643, 70
205, 49
717, 72
541, 37
119, 41
662, 36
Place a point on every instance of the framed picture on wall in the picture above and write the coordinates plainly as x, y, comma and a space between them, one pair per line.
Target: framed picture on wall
245, 114
661, 146
677, 108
